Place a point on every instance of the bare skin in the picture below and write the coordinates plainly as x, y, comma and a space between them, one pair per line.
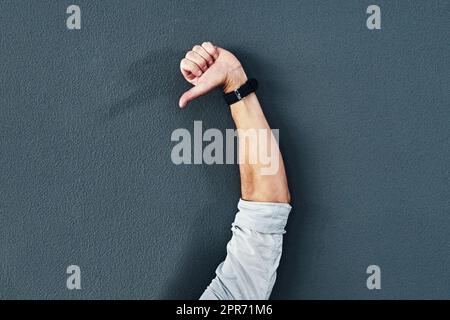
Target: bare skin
208, 67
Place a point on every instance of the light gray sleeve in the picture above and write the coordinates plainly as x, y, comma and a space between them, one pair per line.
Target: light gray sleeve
253, 253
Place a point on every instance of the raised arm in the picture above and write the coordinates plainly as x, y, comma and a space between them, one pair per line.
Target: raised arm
253, 253
208, 67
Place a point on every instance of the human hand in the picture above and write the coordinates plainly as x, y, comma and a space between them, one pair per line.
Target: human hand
208, 67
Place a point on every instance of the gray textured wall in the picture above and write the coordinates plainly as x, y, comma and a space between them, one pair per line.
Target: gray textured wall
85, 124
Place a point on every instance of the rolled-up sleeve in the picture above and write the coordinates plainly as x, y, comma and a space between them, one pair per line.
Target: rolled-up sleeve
253, 253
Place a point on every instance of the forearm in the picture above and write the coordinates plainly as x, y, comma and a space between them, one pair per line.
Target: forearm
258, 183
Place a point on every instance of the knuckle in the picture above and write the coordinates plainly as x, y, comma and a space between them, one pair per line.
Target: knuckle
193, 57
188, 54
184, 62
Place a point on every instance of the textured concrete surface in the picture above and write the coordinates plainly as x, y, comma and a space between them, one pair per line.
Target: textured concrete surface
85, 124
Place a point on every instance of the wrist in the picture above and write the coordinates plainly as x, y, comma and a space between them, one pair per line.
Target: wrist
235, 79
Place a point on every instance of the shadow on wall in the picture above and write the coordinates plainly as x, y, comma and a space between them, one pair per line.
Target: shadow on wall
195, 269
157, 75
154, 76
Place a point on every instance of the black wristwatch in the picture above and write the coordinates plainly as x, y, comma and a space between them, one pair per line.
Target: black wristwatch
232, 97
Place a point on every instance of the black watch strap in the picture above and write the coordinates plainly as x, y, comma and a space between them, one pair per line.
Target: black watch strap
232, 97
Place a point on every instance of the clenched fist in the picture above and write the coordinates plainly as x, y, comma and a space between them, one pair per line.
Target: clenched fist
208, 67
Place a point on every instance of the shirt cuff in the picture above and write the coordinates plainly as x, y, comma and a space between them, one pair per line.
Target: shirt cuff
264, 217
